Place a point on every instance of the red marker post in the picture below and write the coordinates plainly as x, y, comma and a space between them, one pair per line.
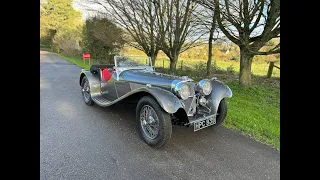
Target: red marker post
86, 56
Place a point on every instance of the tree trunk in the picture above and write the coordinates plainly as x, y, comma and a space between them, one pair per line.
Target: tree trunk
213, 26
210, 51
245, 68
52, 33
153, 58
270, 69
173, 61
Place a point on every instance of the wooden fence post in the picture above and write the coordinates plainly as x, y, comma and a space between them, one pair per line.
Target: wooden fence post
181, 64
270, 69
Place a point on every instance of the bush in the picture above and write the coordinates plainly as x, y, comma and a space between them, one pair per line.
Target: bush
102, 39
108, 59
230, 69
67, 42
201, 67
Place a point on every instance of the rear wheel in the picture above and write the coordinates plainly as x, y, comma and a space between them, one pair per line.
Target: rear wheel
85, 89
154, 123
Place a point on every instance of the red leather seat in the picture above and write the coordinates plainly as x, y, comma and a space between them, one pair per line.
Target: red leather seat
106, 75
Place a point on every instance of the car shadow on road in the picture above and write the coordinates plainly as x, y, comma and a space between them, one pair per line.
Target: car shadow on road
216, 138
182, 135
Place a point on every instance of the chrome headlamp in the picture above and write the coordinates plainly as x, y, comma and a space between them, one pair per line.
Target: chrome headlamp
205, 86
182, 90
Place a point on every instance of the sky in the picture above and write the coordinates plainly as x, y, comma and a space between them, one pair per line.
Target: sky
81, 5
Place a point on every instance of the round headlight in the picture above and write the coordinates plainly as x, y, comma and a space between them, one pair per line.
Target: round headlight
205, 87
183, 91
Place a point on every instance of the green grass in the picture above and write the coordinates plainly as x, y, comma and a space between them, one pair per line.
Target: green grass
254, 111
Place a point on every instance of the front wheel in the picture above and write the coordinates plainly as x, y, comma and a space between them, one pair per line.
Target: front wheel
222, 111
154, 123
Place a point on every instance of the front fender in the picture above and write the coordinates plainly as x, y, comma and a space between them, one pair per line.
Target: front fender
219, 91
168, 101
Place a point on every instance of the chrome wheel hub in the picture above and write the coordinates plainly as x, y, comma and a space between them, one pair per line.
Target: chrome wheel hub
144, 122
151, 120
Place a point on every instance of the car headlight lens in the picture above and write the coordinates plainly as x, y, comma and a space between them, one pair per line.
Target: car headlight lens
205, 86
183, 91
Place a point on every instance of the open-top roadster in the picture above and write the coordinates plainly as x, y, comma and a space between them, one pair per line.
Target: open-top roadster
162, 99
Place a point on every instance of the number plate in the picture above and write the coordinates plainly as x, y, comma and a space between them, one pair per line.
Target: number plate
206, 122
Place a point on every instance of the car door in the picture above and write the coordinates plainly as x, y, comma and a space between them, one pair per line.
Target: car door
122, 86
108, 89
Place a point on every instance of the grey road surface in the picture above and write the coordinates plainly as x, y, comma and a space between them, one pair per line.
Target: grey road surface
89, 142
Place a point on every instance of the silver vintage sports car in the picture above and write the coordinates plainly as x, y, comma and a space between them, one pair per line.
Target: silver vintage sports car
162, 99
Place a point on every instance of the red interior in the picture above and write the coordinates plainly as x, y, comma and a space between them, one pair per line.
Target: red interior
106, 75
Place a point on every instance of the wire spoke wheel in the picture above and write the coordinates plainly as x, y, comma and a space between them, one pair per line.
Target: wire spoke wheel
86, 91
149, 121
154, 123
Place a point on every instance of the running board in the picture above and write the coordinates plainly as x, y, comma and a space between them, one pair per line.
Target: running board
101, 101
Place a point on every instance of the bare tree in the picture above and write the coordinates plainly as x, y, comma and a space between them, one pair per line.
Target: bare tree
138, 18
154, 25
177, 22
250, 24
207, 22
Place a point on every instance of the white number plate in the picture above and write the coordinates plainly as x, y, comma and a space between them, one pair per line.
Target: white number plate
209, 121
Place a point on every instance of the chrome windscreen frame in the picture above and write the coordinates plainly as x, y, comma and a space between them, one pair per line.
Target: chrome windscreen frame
119, 70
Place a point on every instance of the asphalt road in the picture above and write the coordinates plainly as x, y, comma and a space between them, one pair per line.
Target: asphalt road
89, 142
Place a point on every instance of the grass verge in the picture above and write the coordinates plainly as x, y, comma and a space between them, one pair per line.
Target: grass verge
254, 111
76, 61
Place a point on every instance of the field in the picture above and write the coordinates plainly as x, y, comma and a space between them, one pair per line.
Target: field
259, 66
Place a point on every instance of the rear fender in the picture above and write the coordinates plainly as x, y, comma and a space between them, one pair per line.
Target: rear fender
94, 82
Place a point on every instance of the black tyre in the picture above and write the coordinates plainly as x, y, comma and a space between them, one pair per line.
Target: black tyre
85, 89
154, 123
222, 111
